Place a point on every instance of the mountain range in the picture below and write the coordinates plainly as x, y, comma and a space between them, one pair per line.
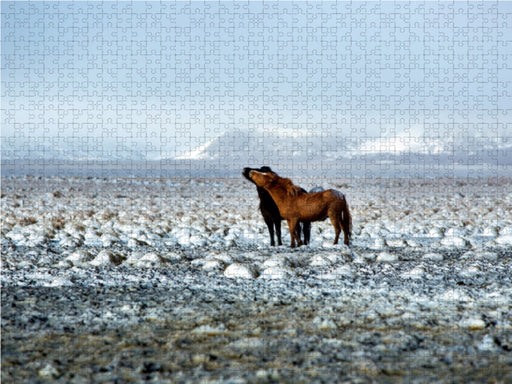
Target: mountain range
291, 149
326, 151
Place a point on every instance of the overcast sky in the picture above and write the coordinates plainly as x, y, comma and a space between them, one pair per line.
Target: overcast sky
166, 77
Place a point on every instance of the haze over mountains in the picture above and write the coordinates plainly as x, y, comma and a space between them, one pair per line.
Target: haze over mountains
407, 152
343, 88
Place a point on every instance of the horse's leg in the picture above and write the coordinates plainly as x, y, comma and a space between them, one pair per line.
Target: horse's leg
298, 230
346, 223
292, 227
270, 226
335, 221
346, 238
306, 230
277, 223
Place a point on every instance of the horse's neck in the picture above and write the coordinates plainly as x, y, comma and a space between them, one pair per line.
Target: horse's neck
278, 194
263, 193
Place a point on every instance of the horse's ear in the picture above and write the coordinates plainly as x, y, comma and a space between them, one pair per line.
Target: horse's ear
271, 176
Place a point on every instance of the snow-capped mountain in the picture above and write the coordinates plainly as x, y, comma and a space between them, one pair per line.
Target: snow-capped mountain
258, 147
309, 152
264, 147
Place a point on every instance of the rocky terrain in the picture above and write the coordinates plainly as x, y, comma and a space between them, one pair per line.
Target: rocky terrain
173, 280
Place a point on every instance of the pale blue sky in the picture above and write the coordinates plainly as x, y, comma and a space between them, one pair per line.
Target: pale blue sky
162, 78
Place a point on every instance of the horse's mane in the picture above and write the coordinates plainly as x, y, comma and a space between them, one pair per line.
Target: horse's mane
291, 188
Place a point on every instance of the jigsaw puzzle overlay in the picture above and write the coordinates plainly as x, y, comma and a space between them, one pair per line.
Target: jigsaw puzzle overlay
133, 249
331, 88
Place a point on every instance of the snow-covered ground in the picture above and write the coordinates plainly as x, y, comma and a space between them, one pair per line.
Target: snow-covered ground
174, 280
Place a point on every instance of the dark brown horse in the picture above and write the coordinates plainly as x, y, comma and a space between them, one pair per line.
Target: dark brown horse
270, 212
295, 205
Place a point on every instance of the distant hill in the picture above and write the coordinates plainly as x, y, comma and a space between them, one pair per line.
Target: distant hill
410, 153
317, 151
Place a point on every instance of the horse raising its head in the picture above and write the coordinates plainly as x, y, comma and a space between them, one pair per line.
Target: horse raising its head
246, 171
270, 211
267, 179
295, 205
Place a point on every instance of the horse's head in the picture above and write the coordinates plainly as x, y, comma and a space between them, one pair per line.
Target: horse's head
270, 179
262, 179
246, 171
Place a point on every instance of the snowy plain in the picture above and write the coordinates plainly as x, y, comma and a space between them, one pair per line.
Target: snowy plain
174, 280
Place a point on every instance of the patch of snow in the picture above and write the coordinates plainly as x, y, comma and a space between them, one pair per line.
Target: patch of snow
198, 153
386, 257
416, 273
277, 272
472, 324
504, 240
80, 258
150, 260
208, 330
433, 256
487, 344
324, 324
213, 265
237, 270
107, 258
454, 242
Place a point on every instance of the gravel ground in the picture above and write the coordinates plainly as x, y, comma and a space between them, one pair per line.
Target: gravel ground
134, 280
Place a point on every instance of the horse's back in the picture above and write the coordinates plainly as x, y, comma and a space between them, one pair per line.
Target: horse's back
327, 195
337, 194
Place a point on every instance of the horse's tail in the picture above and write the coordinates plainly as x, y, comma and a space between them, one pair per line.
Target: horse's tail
346, 219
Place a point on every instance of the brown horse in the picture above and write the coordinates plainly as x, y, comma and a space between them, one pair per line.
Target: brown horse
270, 212
295, 205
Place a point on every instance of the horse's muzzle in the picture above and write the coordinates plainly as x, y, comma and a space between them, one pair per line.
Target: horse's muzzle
246, 172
